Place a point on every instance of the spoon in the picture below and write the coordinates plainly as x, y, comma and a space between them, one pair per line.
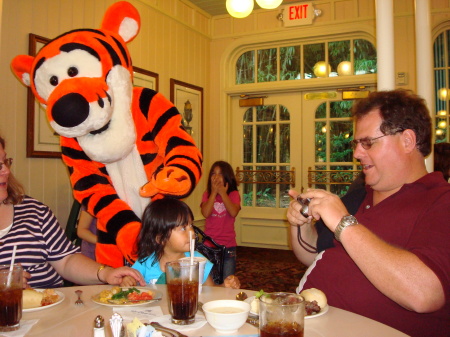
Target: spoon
241, 296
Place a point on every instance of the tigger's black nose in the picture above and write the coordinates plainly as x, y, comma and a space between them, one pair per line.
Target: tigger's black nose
70, 110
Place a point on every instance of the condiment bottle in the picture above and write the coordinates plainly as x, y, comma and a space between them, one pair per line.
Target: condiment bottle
99, 326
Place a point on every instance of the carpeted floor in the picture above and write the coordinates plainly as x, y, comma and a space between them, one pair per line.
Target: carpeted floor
268, 269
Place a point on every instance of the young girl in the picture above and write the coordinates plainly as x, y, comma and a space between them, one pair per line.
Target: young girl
220, 205
164, 237
87, 231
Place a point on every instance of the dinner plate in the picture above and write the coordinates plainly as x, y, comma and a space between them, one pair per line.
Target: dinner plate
322, 311
61, 298
157, 295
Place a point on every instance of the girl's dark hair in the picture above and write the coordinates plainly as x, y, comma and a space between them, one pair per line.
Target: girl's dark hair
159, 219
228, 176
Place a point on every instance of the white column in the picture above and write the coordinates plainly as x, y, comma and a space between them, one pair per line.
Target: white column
424, 61
385, 44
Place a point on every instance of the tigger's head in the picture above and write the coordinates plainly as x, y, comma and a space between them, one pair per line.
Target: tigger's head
80, 75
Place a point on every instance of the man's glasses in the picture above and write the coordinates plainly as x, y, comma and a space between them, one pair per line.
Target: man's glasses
7, 162
367, 142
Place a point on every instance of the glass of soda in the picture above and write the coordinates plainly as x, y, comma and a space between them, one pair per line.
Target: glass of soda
281, 315
10, 297
182, 291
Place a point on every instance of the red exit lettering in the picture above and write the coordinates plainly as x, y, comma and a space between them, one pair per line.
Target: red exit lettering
298, 12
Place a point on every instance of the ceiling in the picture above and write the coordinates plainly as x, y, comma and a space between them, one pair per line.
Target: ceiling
217, 7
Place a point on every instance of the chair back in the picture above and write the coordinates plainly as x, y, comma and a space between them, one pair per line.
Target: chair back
212, 251
72, 222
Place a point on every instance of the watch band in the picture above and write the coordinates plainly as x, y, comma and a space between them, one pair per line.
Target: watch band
348, 220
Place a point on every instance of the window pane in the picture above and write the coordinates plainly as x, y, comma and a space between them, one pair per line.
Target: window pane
321, 142
439, 51
340, 148
248, 115
285, 199
365, 57
266, 113
441, 129
267, 65
265, 143
321, 111
290, 63
285, 143
266, 193
448, 46
284, 113
341, 109
248, 142
245, 68
338, 52
247, 190
441, 90
312, 53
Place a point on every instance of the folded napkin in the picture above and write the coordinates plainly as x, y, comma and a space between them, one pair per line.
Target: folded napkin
142, 313
25, 326
167, 322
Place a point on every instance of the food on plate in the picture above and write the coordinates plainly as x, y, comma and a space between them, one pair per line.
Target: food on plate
33, 299
315, 300
138, 329
254, 306
120, 296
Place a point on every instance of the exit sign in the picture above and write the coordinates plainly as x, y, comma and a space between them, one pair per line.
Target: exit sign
298, 14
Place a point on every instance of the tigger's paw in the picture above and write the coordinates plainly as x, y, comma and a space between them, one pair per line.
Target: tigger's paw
169, 181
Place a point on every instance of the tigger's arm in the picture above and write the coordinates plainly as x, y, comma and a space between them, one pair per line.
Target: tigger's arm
179, 158
92, 187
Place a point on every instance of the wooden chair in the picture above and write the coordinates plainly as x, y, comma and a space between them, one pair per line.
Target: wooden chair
213, 252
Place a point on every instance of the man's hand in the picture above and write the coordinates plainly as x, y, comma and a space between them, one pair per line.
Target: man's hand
294, 216
121, 274
326, 206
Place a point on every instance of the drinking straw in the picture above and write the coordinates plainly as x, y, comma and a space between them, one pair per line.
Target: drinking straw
191, 248
11, 265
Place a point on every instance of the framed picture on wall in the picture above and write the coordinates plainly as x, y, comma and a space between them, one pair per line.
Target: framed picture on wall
188, 99
42, 140
145, 78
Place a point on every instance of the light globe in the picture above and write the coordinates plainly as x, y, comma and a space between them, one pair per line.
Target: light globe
344, 68
269, 4
442, 94
239, 8
320, 69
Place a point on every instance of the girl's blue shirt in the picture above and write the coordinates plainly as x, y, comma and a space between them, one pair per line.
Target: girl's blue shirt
152, 273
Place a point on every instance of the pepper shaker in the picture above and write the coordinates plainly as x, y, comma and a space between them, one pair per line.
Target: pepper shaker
99, 326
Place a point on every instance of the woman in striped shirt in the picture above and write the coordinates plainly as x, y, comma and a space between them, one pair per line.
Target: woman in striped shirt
43, 250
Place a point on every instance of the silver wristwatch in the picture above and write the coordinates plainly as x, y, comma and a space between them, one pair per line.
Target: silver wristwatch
348, 220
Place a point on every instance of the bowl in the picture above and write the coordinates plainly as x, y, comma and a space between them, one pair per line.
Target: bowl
226, 316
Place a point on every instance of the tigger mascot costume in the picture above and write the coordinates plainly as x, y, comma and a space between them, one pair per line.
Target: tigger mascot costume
122, 144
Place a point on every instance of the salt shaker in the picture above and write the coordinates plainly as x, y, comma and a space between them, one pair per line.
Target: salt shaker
116, 324
99, 326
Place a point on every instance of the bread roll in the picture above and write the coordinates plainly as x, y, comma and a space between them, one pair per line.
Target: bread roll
31, 298
314, 294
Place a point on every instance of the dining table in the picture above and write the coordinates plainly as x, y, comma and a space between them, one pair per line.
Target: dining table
68, 319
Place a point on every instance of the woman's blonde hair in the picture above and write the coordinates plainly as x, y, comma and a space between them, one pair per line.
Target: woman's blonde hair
15, 189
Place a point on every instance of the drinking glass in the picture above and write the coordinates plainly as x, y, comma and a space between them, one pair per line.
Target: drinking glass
201, 269
10, 297
281, 315
182, 291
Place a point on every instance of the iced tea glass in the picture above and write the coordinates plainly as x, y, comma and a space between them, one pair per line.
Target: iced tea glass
281, 315
182, 291
10, 297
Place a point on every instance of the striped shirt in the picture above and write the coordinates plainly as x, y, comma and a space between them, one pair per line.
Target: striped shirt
39, 239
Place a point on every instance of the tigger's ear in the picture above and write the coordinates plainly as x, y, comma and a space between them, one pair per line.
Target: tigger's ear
21, 66
122, 18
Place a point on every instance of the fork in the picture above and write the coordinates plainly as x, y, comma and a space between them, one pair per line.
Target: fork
79, 301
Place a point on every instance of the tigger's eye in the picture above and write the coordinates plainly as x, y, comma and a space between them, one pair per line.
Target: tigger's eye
54, 81
72, 71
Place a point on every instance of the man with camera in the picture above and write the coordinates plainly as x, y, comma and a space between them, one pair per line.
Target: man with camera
389, 259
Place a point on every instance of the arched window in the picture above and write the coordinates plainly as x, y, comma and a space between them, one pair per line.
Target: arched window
304, 61
441, 81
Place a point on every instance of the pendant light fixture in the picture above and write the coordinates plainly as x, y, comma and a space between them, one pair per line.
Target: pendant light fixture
269, 4
240, 8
